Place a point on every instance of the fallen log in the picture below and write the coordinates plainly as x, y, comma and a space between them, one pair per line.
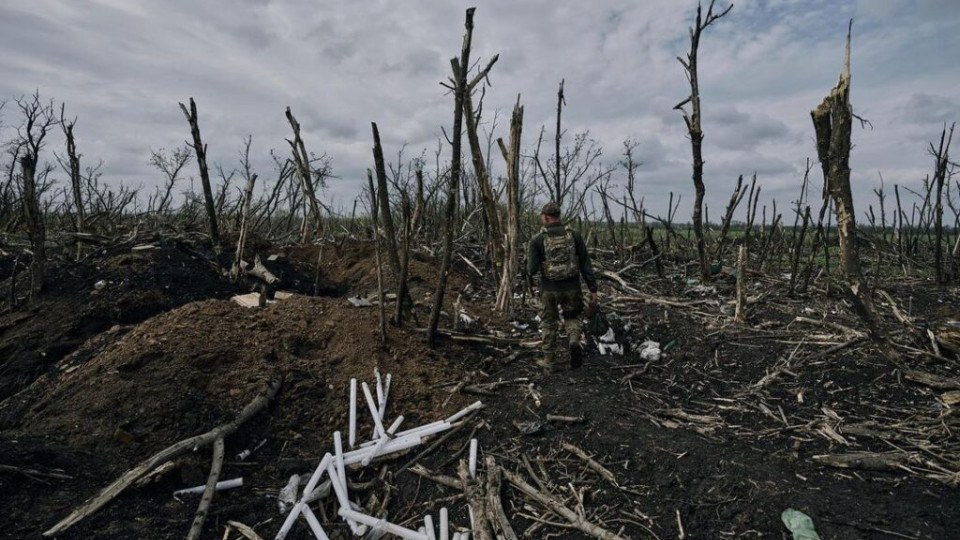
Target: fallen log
187, 445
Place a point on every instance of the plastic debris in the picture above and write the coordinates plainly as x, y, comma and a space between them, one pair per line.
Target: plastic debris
650, 350
799, 524
288, 495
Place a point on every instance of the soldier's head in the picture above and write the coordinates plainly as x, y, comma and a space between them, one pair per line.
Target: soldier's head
550, 213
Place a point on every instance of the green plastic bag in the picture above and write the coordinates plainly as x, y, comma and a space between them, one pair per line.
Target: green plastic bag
598, 325
799, 524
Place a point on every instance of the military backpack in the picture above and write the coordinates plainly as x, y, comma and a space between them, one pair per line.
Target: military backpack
560, 256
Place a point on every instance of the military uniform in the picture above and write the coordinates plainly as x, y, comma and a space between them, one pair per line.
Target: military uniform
559, 255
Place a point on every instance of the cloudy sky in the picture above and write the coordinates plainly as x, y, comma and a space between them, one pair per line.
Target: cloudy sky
121, 67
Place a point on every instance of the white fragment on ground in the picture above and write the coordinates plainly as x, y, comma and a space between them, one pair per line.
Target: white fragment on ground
650, 350
288, 495
607, 344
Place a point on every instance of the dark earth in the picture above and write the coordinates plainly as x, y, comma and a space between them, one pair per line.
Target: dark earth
718, 436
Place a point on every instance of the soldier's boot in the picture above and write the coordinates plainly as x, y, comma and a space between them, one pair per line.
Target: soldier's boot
576, 347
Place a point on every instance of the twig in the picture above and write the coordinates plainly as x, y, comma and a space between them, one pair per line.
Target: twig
208, 491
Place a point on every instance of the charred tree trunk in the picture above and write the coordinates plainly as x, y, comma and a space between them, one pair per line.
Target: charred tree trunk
301, 160
33, 219
695, 130
76, 181
201, 151
459, 68
488, 200
832, 121
557, 182
244, 225
942, 157
512, 157
383, 200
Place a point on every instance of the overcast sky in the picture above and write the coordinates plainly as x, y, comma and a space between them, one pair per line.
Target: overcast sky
121, 67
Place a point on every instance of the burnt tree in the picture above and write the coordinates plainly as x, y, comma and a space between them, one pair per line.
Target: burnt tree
832, 122
459, 87
692, 120
200, 150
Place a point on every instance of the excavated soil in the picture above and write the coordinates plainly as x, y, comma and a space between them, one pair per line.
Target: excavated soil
704, 438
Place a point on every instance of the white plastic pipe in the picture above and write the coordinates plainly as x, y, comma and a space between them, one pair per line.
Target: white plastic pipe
377, 423
473, 459
382, 441
396, 445
456, 536
341, 492
338, 459
386, 396
314, 523
391, 528
444, 524
422, 431
352, 436
225, 484
288, 523
317, 474
467, 410
376, 373
428, 525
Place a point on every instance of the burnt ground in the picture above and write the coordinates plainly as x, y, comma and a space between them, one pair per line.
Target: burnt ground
722, 431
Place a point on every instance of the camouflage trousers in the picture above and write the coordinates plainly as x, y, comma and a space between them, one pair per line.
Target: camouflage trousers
569, 303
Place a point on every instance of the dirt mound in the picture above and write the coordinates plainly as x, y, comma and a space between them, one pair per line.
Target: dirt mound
189, 369
183, 372
84, 299
351, 266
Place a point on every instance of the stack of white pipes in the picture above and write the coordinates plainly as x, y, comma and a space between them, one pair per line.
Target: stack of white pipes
384, 442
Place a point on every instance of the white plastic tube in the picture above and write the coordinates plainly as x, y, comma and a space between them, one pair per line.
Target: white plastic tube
444, 524
352, 435
391, 528
314, 523
382, 441
428, 525
288, 523
473, 459
341, 492
386, 396
467, 410
376, 373
422, 431
317, 474
396, 445
225, 484
377, 423
338, 459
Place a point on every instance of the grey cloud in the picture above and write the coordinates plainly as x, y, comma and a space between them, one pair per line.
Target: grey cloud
929, 109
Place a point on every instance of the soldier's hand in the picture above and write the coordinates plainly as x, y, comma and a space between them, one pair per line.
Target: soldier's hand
593, 299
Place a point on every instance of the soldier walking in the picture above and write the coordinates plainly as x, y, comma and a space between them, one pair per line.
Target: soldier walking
559, 255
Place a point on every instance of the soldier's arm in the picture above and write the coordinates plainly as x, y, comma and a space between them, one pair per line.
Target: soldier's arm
534, 256
586, 267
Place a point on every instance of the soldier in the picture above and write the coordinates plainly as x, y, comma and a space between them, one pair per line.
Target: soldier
559, 255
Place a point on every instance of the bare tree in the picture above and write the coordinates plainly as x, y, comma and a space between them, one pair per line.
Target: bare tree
459, 87
38, 120
491, 211
72, 168
942, 156
512, 257
692, 119
200, 150
171, 165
